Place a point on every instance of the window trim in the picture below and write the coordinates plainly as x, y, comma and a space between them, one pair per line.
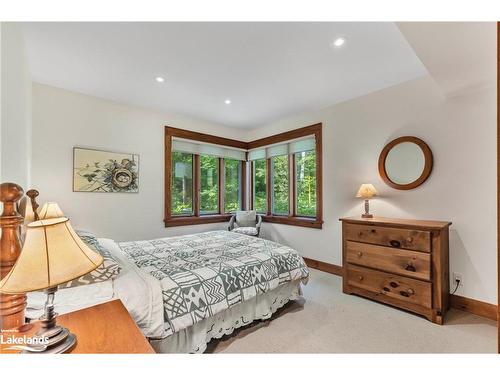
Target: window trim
246, 178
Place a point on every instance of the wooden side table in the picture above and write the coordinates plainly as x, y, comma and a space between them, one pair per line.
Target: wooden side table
107, 328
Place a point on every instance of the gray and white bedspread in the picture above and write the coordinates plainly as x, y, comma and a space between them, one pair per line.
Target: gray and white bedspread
203, 274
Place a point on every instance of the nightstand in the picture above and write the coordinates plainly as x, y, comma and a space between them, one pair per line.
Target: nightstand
102, 329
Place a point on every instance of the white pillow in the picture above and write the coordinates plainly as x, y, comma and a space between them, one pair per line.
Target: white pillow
246, 218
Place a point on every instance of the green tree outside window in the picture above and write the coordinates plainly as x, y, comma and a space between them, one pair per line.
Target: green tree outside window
280, 185
209, 184
232, 178
259, 186
182, 184
305, 180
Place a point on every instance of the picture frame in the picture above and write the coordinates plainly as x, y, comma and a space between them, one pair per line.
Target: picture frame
101, 171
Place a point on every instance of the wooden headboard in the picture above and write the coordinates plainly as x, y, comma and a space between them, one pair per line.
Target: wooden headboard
12, 305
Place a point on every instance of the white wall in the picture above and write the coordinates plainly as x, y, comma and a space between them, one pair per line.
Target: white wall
15, 134
461, 132
64, 119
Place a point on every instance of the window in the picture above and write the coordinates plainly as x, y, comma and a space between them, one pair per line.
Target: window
206, 177
232, 185
279, 185
209, 184
182, 184
259, 186
305, 183
286, 174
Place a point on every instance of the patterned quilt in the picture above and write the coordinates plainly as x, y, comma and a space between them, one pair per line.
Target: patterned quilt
205, 273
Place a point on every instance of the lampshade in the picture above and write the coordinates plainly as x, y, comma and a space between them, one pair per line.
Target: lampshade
50, 210
366, 191
52, 254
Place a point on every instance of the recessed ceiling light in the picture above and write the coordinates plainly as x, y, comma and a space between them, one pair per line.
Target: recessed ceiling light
227, 101
160, 79
339, 42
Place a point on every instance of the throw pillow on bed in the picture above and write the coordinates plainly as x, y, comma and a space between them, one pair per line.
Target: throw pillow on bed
107, 270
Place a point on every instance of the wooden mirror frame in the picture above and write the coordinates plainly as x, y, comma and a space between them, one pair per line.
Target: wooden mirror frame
428, 160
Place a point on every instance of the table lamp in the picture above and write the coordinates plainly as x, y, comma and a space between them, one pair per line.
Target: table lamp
52, 254
50, 210
367, 191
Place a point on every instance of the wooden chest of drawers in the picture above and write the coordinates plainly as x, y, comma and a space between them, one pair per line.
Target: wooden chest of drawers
403, 263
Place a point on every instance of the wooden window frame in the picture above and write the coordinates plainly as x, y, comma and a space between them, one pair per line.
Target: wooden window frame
246, 178
196, 218
292, 218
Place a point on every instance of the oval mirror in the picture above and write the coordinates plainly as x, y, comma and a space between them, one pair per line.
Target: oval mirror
405, 163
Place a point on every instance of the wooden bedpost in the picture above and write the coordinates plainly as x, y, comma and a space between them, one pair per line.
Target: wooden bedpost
32, 194
11, 305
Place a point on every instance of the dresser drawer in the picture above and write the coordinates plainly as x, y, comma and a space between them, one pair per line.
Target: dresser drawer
396, 287
404, 262
393, 237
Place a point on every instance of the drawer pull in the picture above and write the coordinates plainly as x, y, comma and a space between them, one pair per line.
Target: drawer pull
395, 243
360, 254
393, 284
409, 239
360, 278
410, 267
407, 293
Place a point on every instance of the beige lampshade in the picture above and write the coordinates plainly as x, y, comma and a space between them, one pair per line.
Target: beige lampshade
50, 210
52, 254
366, 191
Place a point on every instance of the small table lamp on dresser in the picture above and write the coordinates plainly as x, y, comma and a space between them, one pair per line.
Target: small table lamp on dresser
52, 254
367, 191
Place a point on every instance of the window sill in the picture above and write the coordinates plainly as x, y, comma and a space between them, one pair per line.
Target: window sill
177, 221
293, 220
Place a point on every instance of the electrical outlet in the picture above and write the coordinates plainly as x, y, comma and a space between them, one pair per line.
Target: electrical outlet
458, 277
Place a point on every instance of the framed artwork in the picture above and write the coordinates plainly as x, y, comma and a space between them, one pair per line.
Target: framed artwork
105, 172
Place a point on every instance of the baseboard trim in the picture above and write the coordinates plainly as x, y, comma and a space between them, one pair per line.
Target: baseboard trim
323, 266
480, 308
484, 309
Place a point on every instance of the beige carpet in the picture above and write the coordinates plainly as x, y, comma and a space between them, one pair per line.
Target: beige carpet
328, 321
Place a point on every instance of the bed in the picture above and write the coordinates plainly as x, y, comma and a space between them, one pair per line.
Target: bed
187, 290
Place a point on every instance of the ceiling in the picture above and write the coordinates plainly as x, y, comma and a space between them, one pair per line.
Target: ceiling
460, 56
267, 70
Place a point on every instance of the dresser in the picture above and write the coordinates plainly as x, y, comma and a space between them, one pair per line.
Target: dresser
403, 263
